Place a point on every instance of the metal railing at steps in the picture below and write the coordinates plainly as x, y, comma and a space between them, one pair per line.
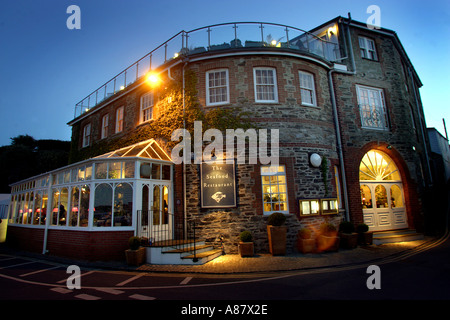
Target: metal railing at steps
162, 229
212, 38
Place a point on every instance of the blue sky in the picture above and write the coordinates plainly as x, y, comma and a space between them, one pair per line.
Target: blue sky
45, 68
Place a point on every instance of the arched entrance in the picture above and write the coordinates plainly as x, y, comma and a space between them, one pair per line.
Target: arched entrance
381, 191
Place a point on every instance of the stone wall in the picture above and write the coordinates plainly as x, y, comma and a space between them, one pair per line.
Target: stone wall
389, 74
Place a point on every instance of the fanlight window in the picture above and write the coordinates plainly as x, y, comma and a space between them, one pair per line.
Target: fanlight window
377, 166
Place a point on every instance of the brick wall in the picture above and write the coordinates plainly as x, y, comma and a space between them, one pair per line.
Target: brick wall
387, 74
82, 245
302, 131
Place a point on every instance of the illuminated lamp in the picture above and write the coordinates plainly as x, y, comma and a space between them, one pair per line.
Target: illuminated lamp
315, 160
153, 79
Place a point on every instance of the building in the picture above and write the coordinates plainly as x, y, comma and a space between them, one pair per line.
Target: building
439, 193
351, 134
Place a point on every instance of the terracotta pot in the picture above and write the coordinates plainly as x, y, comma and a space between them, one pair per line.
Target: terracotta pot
135, 257
277, 239
306, 245
349, 240
365, 238
327, 243
246, 249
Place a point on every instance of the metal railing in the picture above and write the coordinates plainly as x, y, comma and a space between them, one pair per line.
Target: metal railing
163, 229
212, 38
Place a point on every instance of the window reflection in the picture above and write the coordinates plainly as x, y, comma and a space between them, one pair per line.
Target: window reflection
123, 204
396, 197
381, 197
366, 197
103, 205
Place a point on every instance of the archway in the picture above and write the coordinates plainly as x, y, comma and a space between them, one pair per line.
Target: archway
381, 191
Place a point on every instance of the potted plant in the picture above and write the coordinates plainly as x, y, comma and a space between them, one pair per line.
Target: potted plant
349, 238
305, 243
327, 240
246, 244
135, 254
277, 233
365, 237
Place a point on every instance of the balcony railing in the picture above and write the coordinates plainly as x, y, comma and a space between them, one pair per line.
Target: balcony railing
208, 39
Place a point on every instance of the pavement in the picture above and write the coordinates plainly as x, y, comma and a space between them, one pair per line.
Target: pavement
235, 264
260, 263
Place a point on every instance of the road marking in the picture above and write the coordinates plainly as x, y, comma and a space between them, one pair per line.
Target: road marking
16, 265
130, 279
141, 297
38, 271
61, 290
87, 297
6, 259
110, 291
186, 280
83, 274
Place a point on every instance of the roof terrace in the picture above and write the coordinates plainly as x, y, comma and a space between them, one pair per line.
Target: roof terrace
322, 43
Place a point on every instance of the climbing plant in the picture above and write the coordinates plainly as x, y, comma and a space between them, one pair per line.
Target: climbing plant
324, 171
171, 114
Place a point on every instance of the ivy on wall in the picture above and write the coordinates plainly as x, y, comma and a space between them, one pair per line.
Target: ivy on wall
169, 117
324, 171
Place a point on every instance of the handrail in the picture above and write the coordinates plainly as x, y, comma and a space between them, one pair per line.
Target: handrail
164, 229
185, 45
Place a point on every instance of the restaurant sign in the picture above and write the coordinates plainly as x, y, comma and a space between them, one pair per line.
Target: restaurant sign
218, 185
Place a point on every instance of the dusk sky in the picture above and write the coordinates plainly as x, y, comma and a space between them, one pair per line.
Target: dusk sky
45, 68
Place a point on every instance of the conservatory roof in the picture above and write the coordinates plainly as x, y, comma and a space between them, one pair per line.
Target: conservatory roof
145, 149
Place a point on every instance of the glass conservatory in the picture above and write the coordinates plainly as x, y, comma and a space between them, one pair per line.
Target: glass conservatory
101, 193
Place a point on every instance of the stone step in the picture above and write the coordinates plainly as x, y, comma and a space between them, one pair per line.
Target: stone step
205, 256
198, 247
183, 255
392, 236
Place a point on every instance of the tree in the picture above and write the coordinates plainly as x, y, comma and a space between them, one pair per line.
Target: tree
27, 157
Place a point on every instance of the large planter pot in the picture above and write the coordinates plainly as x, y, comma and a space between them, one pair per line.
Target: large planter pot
135, 257
277, 239
327, 243
365, 238
348, 240
246, 249
306, 245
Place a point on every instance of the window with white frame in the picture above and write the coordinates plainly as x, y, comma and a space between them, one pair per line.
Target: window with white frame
105, 125
147, 107
217, 91
265, 80
87, 135
372, 108
367, 47
307, 88
119, 120
274, 189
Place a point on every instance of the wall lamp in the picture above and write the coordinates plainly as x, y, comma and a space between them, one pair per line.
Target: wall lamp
315, 160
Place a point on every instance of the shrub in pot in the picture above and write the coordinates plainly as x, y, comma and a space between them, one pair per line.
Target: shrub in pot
276, 232
327, 240
135, 255
305, 243
365, 237
349, 238
246, 248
